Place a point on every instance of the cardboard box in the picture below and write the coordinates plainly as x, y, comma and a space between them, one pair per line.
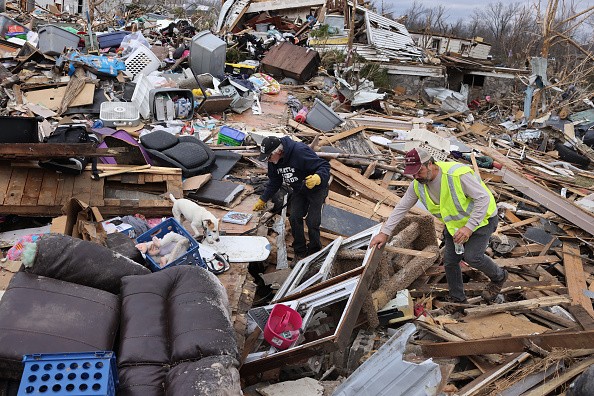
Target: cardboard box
80, 221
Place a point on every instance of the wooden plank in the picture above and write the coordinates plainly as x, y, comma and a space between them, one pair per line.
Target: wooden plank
82, 187
48, 189
547, 341
328, 140
574, 277
512, 262
97, 191
530, 220
5, 173
67, 188
16, 187
518, 305
32, 187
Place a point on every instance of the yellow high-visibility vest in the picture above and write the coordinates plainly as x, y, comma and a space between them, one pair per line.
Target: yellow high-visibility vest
454, 206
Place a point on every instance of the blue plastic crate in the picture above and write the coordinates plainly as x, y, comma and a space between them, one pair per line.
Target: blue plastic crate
192, 256
113, 39
230, 137
61, 374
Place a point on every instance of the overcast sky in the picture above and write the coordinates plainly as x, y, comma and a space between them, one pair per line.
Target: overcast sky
459, 8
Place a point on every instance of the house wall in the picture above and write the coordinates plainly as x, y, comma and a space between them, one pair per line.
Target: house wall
480, 51
414, 84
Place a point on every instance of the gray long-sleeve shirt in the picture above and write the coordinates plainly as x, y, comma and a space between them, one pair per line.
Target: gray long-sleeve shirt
471, 187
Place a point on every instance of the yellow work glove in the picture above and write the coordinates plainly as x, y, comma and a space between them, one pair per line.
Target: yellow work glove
312, 180
259, 205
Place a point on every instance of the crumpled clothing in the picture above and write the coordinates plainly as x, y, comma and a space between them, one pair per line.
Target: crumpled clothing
15, 252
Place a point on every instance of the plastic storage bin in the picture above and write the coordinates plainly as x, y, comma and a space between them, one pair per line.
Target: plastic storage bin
182, 106
18, 130
142, 60
207, 54
113, 39
282, 327
322, 117
6, 23
53, 40
192, 256
230, 137
84, 373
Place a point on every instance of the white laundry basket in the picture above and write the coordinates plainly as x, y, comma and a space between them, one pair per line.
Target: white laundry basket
142, 60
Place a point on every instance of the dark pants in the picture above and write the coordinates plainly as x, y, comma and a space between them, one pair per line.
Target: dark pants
307, 203
474, 255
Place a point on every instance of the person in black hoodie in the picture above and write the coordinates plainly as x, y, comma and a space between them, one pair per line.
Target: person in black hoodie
297, 165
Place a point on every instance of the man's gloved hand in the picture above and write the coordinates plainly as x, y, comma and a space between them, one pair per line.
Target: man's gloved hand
259, 205
312, 180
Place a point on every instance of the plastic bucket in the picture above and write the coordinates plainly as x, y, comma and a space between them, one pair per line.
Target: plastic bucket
282, 328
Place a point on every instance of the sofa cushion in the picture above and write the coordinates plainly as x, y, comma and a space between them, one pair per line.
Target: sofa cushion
45, 315
82, 262
177, 314
213, 376
147, 380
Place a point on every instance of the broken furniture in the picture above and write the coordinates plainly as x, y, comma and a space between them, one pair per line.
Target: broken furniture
188, 153
52, 315
289, 60
41, 192
176, 337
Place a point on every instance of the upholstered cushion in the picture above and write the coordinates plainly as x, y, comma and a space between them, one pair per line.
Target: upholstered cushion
174, 315
45, 315
159, 140
188, 154
213, 376
82, 262
147, 380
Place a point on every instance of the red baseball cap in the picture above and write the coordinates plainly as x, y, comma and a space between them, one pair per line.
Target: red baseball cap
414, 159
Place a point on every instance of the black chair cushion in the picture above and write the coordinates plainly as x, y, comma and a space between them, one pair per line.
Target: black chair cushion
159, 140
188, 154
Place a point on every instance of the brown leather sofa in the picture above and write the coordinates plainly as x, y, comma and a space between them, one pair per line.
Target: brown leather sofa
175, 335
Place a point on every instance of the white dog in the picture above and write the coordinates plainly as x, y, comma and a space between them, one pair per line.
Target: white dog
199, 218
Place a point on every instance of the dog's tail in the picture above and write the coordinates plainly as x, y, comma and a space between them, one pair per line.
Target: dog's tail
172, 198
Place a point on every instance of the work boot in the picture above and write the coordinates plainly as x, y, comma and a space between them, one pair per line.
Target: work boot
450, 306
296, 258
494, 288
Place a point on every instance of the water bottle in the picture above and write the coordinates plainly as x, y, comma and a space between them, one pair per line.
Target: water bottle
459, 247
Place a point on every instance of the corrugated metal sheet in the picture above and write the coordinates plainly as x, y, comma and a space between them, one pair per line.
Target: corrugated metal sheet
385, 373
388, 34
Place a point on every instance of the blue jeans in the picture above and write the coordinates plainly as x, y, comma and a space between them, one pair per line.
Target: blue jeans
474, 255
307, 203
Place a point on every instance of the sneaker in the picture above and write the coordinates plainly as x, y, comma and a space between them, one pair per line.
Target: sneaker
494, 288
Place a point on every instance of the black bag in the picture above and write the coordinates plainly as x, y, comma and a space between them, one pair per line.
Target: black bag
71, 134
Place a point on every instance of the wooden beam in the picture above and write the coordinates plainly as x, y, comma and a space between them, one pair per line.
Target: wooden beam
574, 277
518, 305
341, 135
57, 150
512, 262
530, 220
547, 341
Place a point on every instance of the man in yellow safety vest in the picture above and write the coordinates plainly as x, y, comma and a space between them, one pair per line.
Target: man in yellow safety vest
455, 194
